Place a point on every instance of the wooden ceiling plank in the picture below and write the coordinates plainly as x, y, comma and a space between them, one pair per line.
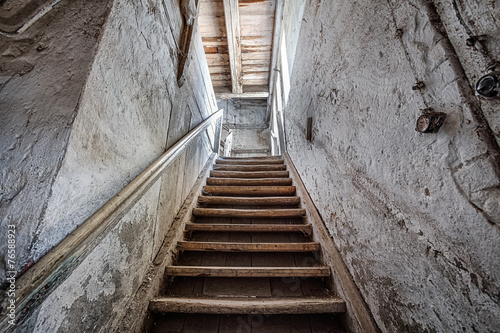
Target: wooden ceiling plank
231, 14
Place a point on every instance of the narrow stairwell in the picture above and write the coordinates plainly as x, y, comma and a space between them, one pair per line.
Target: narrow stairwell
248, 262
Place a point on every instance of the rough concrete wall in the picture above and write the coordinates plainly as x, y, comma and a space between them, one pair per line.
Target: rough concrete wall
246, 118
131, 110
43, 71
415, 216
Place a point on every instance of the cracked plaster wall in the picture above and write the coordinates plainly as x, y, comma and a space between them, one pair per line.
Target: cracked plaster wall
415, 217
123, 112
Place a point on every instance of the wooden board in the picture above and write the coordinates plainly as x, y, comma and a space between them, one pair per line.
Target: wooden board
290, 305
249, 201
252, 213
248, 247
305, 228
247, 271
249, 190
278, 167
250, 182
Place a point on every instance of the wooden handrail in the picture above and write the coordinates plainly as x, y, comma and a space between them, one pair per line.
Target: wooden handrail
53, 268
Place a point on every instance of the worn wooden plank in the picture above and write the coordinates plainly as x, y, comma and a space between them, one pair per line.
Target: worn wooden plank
249, 161
278, 167
252, 158
247, 305
247, 271
305, 228
249, 182
262, 94
232, 17
249, 190
251, 213
249, 201
248, 247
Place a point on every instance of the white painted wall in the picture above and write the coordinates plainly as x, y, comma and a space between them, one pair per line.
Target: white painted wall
415, 217
130, 111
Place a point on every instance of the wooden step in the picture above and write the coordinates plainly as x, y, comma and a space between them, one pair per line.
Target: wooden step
251, 158
249, 162
249, 190
249, 182
249, 213
304, 228
249, 201
248, 247
256, 174
223, 167
213, 271
244, 305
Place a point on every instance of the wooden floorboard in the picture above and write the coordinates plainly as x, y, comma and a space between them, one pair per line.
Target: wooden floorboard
248, 306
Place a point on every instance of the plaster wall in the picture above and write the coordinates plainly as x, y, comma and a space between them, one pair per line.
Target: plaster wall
246, 119
127, 112
415, 217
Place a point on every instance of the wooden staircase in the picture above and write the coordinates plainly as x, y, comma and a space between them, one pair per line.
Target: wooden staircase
248, 262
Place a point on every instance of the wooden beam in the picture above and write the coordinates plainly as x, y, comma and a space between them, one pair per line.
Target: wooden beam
262, 94
232, 17
206, 227
248, 247
249, 182
257, 174
249, 161
278, 18
278, 167
289, 305
249, 201
249, 213
252, 158
249, 190
213, 271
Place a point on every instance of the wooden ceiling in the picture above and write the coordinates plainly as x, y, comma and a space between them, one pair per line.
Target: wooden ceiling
238, 37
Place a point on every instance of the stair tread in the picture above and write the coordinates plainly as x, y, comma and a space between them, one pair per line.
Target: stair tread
305, 228
255, 213
249, 305
249, 181
248, 247
249, 174
249, 190
237, 271
242, 167
250, 162
250, 201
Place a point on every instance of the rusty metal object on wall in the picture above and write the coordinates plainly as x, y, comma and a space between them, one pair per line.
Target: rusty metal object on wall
430, 121
488, 86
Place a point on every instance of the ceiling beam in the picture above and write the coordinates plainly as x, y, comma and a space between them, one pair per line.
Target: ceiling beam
278, 19
261, 94
232, 18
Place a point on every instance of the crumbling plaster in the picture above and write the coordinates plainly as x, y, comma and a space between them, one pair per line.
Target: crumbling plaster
127, 112
415, 216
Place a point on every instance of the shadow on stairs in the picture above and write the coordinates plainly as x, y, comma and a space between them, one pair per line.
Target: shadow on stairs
248, 263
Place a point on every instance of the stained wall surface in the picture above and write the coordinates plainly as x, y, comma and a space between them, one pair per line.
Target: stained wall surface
415, 216
125, 109
246, 119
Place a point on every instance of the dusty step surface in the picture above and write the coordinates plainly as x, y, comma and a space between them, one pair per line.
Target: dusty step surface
199, 323
249, 162
234, 271
248, 247
279, 157
249, 174
245, 305
248, 259
249, 201
250, 181
239, 167
249, 190
305, 229
254, 213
